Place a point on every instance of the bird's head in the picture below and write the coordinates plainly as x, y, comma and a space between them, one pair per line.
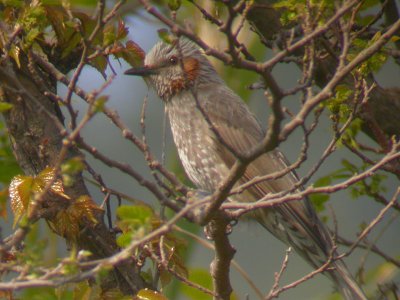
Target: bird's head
173, 68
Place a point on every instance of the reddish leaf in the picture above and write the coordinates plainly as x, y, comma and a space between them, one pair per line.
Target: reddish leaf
122, 30
134, 54
65, 225
133, 47
84, 206
67, 221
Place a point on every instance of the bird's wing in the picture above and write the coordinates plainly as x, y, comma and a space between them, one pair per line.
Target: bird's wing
238, 128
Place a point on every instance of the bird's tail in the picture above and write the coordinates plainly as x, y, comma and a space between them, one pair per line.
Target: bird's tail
345, 282
314, 247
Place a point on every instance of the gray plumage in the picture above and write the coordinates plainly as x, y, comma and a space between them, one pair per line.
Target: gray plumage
191, 88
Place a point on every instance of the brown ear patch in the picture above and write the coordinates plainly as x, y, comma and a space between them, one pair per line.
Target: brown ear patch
191, 67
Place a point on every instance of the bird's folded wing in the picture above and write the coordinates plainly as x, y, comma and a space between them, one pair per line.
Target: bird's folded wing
238, 128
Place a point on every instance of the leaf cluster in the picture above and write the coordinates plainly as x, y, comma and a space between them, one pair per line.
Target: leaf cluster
370, 186
138, 221
26, 191
60, 31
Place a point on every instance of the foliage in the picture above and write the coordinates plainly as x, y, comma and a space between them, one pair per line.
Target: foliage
66, 221
60, 27
136, 222
373, 64
199, 276
147, 294
371, 186
70, 169
25, 190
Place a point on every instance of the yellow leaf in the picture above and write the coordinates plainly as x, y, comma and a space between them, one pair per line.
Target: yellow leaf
146, 294
45, 177
383, 273
20, 192
4, 106
83, 291
65, 225
84, 206
376, 37
14, 53
394, 38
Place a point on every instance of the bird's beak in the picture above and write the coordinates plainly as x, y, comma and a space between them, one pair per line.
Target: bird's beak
141, 71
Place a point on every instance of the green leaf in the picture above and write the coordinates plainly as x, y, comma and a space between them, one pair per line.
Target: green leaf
318, 200
165, 36
67, 37
174, 5
339, 103
4, 106
34, 21
201, 277
349, 166
124, 240
70, 169
351, 133
32, 35
365, 20
134, 220
99, 103
369, 4
42, 293
136, 214
109, 35
100, 64
375, 62
132, 53
323, 181
14, 3
383, 273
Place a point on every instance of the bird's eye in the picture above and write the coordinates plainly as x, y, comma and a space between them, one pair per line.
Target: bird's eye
173, 60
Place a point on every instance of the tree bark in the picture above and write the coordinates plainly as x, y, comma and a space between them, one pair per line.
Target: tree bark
36, 131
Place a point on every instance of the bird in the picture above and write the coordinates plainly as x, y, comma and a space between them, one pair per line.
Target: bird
210, 125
